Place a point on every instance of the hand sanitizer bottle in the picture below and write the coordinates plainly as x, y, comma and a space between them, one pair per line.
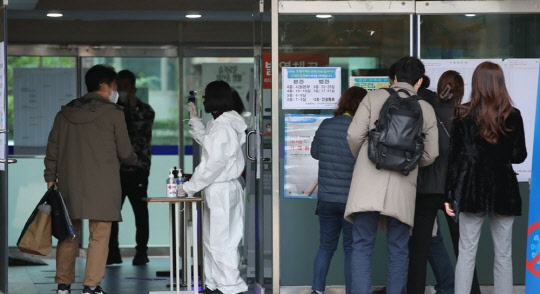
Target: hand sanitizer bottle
171, 186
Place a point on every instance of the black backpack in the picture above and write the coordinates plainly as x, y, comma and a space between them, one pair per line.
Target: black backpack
397, 142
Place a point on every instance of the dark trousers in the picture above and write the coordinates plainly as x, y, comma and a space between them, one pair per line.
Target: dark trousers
427, 206
397, 242
440, 264
134, 187
332, 224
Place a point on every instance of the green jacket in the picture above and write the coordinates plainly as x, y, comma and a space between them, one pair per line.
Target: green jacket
88, 141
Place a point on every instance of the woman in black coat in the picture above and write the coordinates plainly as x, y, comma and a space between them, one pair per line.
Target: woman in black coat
487, 138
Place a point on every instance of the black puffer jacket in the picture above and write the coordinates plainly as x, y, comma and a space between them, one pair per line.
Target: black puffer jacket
432, 178
480, 174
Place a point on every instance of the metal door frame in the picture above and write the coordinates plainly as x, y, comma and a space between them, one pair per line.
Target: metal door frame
4, 174
406, 7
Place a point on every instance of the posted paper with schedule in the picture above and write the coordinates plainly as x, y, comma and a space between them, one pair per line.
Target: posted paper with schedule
311, 87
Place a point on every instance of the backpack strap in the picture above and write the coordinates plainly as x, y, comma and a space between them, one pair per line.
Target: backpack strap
391, 91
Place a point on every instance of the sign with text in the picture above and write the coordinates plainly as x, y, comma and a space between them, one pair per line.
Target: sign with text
291, 60
311, 87
369, 83
300, 169
521, 76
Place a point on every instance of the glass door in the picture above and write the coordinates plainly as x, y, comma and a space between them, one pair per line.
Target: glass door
357, 39
513, 27
3, 155
258, 216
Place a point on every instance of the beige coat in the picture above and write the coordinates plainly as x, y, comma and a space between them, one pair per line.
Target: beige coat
389, 192
88, 140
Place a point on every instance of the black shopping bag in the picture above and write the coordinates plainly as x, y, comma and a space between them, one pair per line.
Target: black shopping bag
62, 228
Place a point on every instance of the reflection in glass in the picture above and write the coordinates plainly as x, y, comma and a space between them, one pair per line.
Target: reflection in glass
32, 62
157, 80
480, 36
361, 45
379, 40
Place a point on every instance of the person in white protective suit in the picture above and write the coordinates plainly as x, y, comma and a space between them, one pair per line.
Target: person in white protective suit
222, 163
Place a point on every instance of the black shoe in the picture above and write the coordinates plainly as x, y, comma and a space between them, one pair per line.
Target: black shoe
113, 258
206, 291
216, 292
63, 289
140, 259
97, 290
380, 291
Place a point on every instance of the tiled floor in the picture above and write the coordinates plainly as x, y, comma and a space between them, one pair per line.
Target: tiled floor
128, 279
119, 279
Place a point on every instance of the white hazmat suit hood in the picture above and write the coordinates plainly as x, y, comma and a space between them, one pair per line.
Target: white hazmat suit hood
222, 162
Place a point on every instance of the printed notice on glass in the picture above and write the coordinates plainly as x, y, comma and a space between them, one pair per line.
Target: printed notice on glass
521, 76
300, 170
311, 87
369, 83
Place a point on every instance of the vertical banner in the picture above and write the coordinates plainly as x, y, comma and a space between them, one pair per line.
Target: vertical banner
300, 169
532, 261
311, 87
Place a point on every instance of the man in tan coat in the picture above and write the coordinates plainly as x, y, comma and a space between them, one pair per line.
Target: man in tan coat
88, 141
378, 192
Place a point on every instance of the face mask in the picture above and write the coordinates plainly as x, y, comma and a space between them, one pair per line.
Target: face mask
113, 97
123, 96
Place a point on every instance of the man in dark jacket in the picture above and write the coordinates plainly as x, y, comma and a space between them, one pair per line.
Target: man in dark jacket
88, 141
134, 178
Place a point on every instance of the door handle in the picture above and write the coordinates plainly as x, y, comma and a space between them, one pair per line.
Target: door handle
248, 145
9, 161
3, 131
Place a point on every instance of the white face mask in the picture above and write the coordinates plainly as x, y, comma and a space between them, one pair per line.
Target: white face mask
113, 97
123, 96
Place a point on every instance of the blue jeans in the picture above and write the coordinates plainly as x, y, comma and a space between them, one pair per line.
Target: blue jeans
440, 264
332, 223
397, 242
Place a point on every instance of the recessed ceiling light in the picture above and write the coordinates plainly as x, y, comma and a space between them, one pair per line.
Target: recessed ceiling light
323, 15
470, 14
54, 14
193, 16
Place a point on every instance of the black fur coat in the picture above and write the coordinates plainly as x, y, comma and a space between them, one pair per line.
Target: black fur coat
480, 174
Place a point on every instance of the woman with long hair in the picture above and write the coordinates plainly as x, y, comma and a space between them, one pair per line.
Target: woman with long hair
487, 138
336, 164
430, 192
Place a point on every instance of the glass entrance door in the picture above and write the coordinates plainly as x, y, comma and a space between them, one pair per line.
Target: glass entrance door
358, 39
258, 219
3, 156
